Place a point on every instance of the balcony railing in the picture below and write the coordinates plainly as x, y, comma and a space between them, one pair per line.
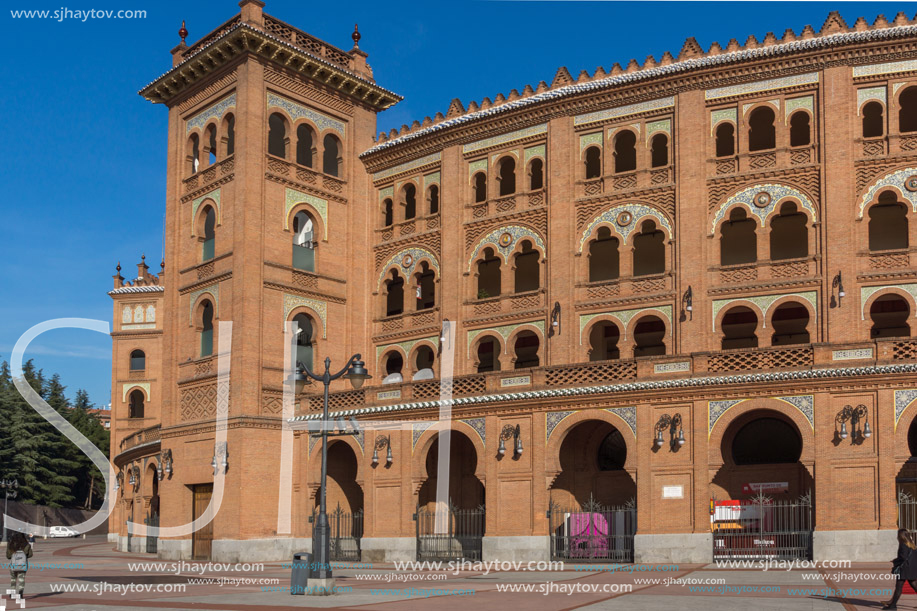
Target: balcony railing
142, 436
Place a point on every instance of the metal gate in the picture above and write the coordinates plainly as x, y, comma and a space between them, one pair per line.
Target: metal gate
346, 533
761, 528
593, 532
907, 512
152, 543
451, 534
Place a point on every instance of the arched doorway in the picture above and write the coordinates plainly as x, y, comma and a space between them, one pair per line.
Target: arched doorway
453, 529
906, 480
593, 512
343, 501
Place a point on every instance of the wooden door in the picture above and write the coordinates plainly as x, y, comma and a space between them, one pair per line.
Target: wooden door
202, 538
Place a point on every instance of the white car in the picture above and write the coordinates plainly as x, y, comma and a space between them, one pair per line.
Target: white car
62, 531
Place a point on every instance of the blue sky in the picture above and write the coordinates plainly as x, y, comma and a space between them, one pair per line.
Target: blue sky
83, 155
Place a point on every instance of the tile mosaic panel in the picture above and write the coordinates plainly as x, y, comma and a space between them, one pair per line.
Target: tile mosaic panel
634, 214
291, 302
505, 246
664, 125
478, 425
588, 139
896, 181
552, 419
418, 429
407, 346
297, 111
431, 179
132, 385
407, 261
534, 151
623, 111
794, 104
723, 114
746, 107
214, 290
505, 138
293, 198
868, 94
477, 166
809, 78
213, 112
868, 291
623, 317
628, 414
404, 167
764, 303
908, 65
776, 194
196, 204
505, 331
903, 398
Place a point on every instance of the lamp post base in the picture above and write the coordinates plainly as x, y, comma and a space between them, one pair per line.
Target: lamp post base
320, 587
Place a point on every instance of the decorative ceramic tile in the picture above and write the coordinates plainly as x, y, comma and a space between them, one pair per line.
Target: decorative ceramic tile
898, 182
150, 314
624, 220
715, 409
676, 367
213, 112
764, 303
898, 86
407, 346
213, 196
809, 78
214, 291
723, 114
908, 65
131, 385
515, 381
868, 291
477, 166
478, 425
297, 111
505, 331
623, 111
534, 151
903, 398
745, 107
407, 261
623, 317
505, 138
417, 429
628, 414
856, 354
496, 156
504, 239
772, 194
294, 198
552, 419
588, 139
805, 404
431, 179
291, 302
794, 104
404, 167
868, 94
360, 439
664, 126
386, 192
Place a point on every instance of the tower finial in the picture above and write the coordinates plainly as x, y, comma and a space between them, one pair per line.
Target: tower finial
183, 32
118, 267
356, 36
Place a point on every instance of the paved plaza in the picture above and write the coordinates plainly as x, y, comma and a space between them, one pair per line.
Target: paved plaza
112, 581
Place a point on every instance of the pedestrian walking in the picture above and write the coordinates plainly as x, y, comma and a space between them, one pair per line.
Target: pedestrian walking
18, 552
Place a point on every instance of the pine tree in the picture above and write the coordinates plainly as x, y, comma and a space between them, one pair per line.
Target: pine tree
7, 470
90, 486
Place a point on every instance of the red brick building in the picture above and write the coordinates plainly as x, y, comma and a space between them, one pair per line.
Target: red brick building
654, 286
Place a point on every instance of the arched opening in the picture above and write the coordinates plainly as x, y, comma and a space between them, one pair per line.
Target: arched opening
426, 287
739, 326
331, 156
873, 120
135, 404
230, 139
649, 250
211, 136
625, 151
725, 140
138, 360
303, 242
480, 187
907, 115
800, 131
465, 489
527, 268
766, 441
536, 175
907, 479
649, 337
738, 240
659, 151
790, 322
761, 133
277, 136
409, 200
593, 161
194, 153
305, 145
394, 364
388, 213
209, 245
888, 224
889, 315
423, 363
603, 342
526, 350
488, 355
507, 176
394, 299
344, 499
304, 340
789, 235
206, 329
489, 275
433, 199
604, 257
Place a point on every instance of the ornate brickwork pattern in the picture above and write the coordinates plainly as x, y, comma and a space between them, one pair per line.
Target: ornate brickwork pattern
775, 193
291, 302
505, 331
407, 346
297, 111
214, 291
293, 198
197, 201
213, 112
809, 78
868, 94
407, 261
628, 414
764, 303
552, 419
896, 181
903, 398
868, 291
794, 104
723, 114
478, 425
633, 214
534, 151
198, 402
505, 138
623, 317
623, 111
504, 239
587, 375
887, 68
588, 139
271, 404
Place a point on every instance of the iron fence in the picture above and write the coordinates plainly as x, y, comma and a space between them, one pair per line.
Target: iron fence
761, 528
593, 532
346, 533
450, 534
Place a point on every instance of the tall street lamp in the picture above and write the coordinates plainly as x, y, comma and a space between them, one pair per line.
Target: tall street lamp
355, 371
9, 487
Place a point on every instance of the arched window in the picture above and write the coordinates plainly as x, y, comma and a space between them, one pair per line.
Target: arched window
409, 199
207, 329
790, 322
305, 145
394, 363
527, 268
761, 133
480, 187
304, 340
603, 342
738, 240
526, 350
888, 224
907, 116
433, 199
394, 300
725, 140
739, 325
593, 162
649, 250
612, 454
331, 157
426, 291
138, 360
194, 153
889, 315
766, 441
423, 363
604, 257
625, 151
536, 175
135, 404
659, 152
210, 223
507, 176
303, 242
277, 136
489, 275
789, 236
800, 131
873, 120
488, 356
649, 337
230, 139
211, 136
388, 212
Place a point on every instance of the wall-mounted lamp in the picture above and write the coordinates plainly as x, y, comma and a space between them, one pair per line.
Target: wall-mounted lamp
135, 476
383, 441
687, 305
854, 415
167, 462
220, 457
514, 432
555, 320
119, 480
676, 432
837, 285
